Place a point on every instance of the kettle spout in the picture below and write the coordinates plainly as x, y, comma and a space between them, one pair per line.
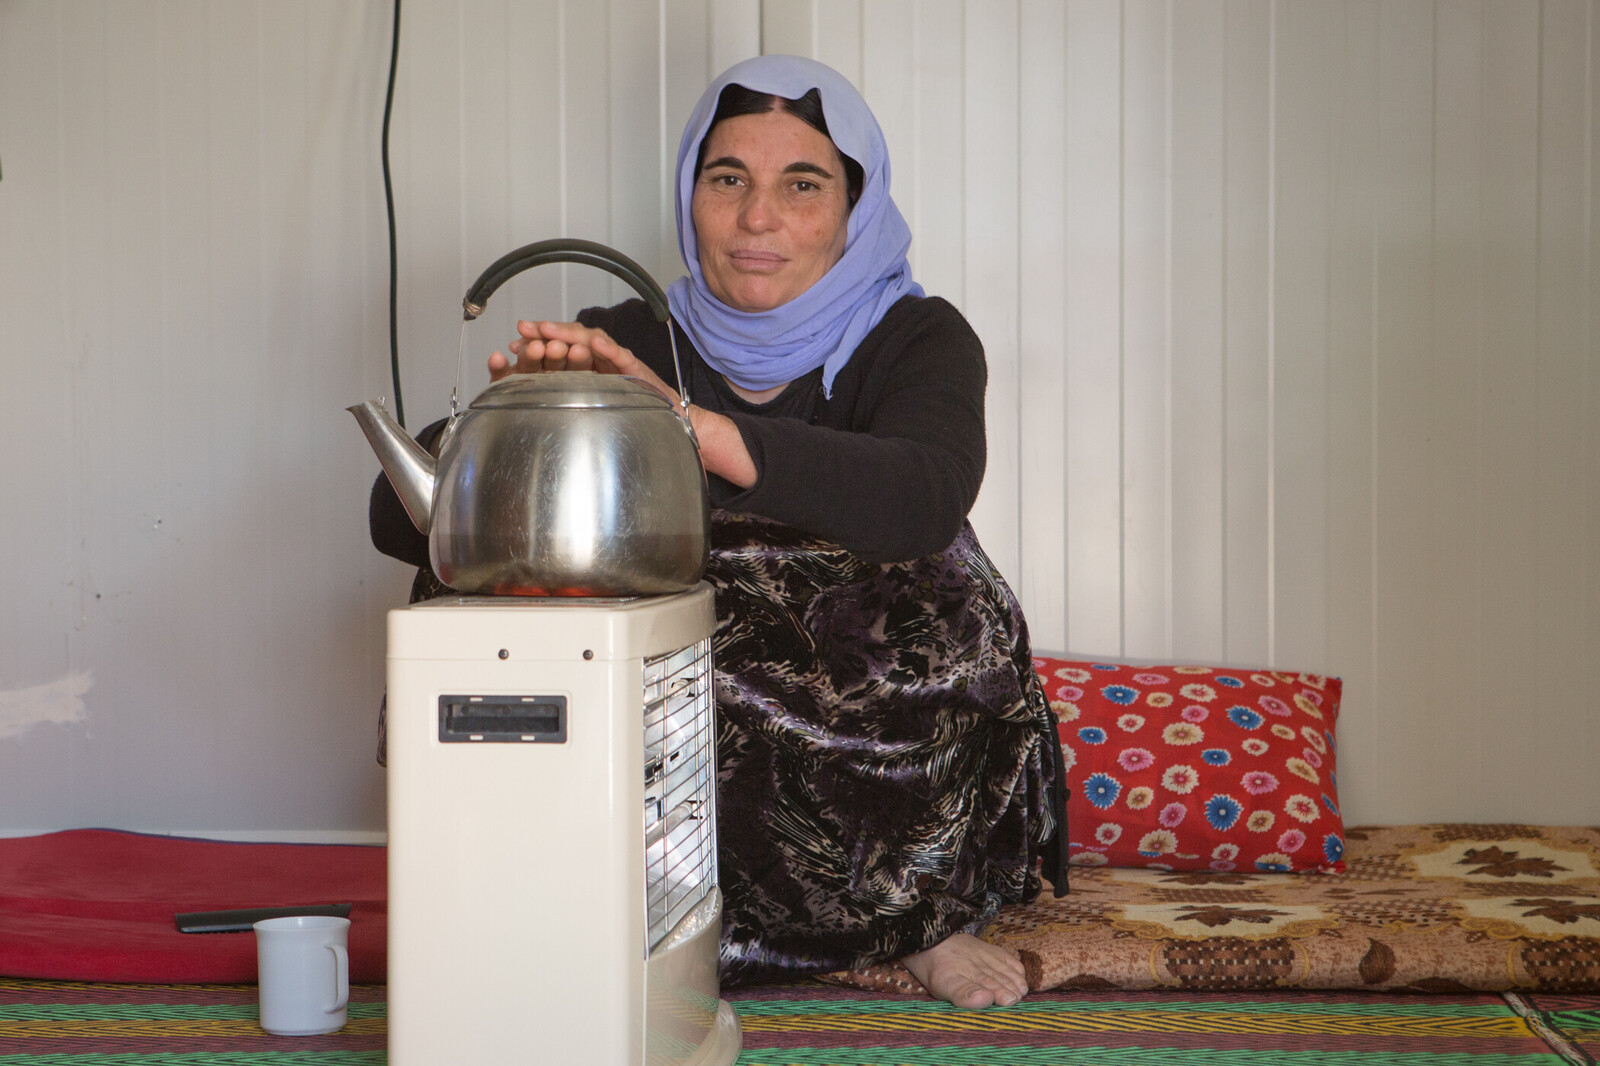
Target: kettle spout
410, 468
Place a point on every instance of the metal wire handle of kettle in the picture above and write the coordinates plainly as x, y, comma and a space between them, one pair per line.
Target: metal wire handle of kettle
572, 250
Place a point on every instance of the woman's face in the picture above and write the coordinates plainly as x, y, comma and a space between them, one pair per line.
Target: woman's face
770, 209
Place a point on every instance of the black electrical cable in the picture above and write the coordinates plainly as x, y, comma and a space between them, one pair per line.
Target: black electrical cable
388, 196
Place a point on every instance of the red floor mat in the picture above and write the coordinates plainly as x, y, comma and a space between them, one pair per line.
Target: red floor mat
98, 905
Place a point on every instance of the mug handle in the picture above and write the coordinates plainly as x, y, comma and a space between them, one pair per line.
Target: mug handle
342, 966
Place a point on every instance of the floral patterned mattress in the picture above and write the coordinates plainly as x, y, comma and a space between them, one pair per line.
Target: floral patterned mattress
1420, 908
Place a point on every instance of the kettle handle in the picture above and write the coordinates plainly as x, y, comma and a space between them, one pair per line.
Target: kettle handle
563, 250
573, 250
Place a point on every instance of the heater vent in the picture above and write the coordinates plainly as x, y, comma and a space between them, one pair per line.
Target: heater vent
680, 853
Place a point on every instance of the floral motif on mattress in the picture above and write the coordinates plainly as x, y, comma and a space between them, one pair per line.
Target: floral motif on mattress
1425, 908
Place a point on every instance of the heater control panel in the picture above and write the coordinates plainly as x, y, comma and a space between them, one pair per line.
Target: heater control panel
502, 719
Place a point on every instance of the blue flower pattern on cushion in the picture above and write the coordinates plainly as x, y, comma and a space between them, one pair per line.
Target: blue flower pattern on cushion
1102, 790
1222, 811
1234, 822
1245, 718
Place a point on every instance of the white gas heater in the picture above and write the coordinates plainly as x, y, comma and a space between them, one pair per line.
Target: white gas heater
552, 833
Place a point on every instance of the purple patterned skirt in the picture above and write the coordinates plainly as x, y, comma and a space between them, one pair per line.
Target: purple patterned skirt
885, 751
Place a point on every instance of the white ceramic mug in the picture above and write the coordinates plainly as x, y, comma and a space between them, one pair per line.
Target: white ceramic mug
303, 964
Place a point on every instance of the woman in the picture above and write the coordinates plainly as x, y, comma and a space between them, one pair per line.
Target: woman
886, 755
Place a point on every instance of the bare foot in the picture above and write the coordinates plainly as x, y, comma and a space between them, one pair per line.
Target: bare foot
969, 972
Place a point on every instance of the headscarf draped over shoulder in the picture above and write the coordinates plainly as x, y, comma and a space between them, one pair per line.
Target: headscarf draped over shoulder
823, 325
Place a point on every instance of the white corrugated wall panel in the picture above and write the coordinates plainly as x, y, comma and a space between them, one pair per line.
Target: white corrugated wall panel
1247, 324
1568, 554
1457, 265
1091, 406
989, 96
1146, 413
1304, 89
1305, 349
190, 184
1197, 344
1408, 368
1356, 304
196, 285
1290, 306
1040, 580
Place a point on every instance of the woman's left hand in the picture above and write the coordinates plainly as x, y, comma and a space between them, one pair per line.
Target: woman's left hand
546, 346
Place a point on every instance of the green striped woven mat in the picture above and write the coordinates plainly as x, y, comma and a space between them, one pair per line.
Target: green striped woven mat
52, 1023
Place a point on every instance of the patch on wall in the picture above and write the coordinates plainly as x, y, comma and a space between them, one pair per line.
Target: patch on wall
60, 702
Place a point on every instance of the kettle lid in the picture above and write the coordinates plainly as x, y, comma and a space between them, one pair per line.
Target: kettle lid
569, 388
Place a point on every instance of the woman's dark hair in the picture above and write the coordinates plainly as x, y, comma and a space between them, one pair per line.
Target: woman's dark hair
735, 100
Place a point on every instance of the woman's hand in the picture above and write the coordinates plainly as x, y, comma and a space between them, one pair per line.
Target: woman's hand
543, 346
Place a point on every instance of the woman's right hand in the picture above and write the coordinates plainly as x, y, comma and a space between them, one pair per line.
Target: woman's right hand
542, 346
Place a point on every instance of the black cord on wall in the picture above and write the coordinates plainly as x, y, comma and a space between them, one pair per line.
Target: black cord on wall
388, 195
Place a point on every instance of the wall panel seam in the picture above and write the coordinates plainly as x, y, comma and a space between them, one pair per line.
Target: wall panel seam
1225, 209
1272, 335
1167, 356
1122, 328
1016, 297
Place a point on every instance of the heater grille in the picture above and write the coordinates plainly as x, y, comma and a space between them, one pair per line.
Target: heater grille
680, 851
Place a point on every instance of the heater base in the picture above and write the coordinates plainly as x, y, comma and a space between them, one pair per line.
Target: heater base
723, 1043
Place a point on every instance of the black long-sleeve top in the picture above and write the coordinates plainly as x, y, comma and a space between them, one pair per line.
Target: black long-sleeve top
888, 467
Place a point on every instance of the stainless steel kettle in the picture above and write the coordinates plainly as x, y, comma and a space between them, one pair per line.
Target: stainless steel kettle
568, 483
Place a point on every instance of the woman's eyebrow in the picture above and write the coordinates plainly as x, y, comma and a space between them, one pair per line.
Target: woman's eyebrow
735, 163
803, 167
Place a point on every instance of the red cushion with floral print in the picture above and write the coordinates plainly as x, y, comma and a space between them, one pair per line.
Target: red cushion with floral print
1198, 767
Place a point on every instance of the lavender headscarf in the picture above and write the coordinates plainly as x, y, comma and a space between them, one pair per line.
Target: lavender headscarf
822, 326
